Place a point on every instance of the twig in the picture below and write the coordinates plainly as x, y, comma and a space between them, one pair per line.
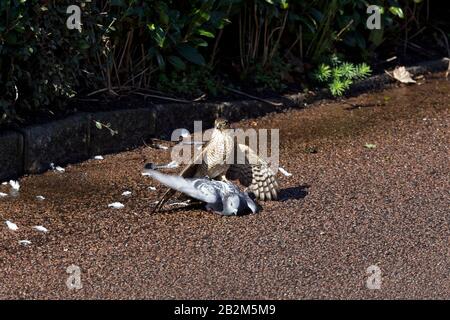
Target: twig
161, 97
344, 29
254, 97
389, 74
103, 90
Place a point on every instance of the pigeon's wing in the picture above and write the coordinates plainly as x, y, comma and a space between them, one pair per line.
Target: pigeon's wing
188, 171
190, 187
253, 172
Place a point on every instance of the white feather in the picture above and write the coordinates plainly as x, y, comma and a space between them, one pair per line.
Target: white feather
116, 205
24, 242
40, 228
14, 184
11, 225
287, 174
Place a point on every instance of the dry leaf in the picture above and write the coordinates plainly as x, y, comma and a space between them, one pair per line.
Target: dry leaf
402, 75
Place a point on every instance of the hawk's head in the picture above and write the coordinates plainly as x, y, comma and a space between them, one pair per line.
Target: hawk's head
221, 124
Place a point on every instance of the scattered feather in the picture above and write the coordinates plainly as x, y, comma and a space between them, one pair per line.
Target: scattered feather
160, 146
99, 158
152, 188
57, 168
179, 204
11, 225
116, 205
126, 193
4, 183
25, 242
40, 198
40, 228
287, 174
14, 184
2, 195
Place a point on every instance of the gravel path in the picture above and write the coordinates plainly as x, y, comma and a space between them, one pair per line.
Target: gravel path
345, 207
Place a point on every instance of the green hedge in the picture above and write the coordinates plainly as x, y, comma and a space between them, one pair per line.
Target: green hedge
183, 46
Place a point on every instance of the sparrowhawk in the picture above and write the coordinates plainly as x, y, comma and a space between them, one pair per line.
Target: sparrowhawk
217, 160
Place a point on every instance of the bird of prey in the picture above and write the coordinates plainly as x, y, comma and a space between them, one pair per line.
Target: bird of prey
215, 161
221, 197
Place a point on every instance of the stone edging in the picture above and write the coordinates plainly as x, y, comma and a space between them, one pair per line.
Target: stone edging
76, 138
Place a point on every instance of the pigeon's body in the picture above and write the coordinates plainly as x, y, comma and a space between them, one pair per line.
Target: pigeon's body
221, 197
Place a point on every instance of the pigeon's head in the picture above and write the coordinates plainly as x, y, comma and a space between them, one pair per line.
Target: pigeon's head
221, 124
231, 204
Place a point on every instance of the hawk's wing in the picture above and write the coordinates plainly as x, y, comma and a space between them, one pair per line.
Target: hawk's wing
253, 173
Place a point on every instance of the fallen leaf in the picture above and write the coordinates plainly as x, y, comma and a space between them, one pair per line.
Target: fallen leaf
40, 198
126, 193
152, 188
370, 146
403, 75
98, 158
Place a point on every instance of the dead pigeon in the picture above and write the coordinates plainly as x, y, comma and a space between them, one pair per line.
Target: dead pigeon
220, 197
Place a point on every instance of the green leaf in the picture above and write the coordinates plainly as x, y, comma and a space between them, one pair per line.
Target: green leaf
98, 125
177, 62
191, 54
397, 11
370, 146
205, 33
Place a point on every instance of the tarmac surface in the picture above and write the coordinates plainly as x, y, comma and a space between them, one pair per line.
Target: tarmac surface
345, 208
